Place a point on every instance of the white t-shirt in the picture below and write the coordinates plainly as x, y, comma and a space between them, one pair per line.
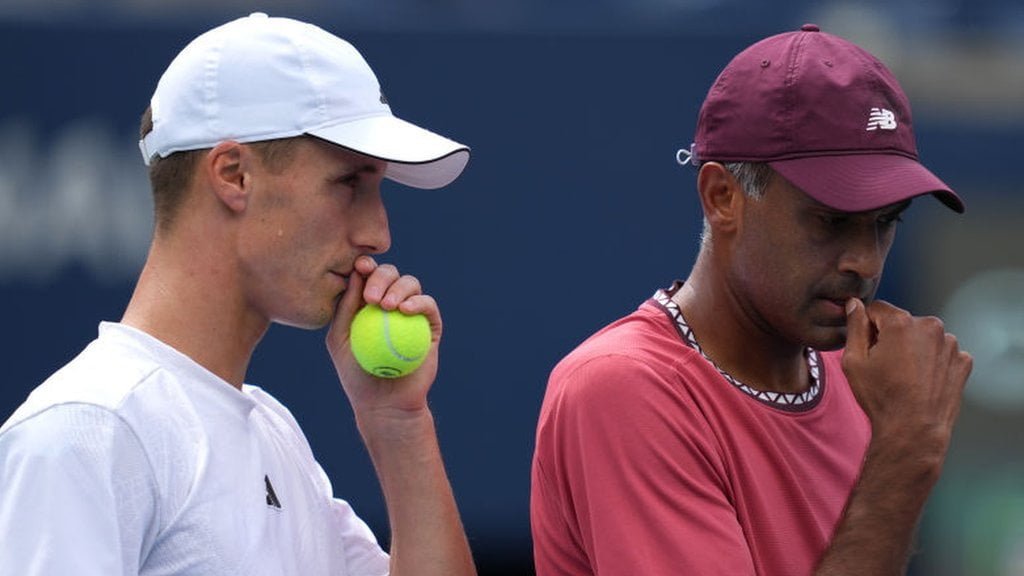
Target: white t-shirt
133, 459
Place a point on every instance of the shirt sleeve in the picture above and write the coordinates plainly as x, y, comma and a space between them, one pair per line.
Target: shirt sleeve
76, 495
627, 479
363, 555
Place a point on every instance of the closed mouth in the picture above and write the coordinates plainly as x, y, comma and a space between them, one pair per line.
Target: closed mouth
344, 277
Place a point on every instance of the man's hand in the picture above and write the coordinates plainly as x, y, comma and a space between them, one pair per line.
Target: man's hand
397, 426
384, 286
907, 373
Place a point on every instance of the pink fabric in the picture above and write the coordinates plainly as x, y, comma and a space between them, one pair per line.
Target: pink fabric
649, 462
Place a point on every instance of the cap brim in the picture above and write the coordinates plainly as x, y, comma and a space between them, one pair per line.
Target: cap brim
859, 182
416, 157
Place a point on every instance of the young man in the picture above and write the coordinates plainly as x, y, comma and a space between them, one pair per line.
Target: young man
267, 141
720, 428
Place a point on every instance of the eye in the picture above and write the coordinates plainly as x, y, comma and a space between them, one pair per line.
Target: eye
834, 219
348, 180
891, 218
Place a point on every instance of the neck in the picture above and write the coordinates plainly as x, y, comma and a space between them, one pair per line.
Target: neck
185, 298
735, 341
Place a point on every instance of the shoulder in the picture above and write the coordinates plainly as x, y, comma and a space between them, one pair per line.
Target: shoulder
69, 434
126, 390
129, 373
637, 371
111, 397
76, 480
637, 353
647, 336
103, 375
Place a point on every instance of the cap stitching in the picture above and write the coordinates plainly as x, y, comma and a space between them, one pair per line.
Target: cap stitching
315, 85
790, 100
211, 86
873, 74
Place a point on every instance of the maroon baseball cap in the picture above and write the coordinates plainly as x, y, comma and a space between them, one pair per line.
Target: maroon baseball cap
825, 114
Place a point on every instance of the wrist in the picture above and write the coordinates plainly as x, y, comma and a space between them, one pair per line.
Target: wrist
911, 459
394, 425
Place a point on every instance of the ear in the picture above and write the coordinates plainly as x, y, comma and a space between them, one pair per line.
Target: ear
225, 167
721, 198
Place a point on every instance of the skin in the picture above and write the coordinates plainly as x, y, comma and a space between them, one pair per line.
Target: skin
778, 275
253, 246
784, 272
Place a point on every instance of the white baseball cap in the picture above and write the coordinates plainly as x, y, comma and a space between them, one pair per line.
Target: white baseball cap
261, 78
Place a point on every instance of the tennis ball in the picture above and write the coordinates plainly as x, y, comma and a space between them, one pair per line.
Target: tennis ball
387, 343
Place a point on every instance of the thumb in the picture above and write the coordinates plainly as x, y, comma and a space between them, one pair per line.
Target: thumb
858, 328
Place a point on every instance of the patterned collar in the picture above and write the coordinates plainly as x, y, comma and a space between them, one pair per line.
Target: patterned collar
793, 402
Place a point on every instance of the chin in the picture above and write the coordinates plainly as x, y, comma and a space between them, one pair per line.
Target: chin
826, 339
300, 324
314, 320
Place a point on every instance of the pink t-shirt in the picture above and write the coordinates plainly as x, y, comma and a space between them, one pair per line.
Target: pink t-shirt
649, 460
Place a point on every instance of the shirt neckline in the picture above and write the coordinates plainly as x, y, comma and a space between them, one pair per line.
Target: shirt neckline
183, 366
789, 401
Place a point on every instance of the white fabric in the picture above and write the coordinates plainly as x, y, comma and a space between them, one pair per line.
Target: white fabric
260, 78
133, 459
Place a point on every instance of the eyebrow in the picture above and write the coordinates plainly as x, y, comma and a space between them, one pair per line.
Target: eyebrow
367, 169
361, 168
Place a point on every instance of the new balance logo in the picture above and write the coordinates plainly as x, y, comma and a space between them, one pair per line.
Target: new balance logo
271, 496
881, 119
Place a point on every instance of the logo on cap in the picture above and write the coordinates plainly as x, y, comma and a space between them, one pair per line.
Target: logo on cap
880, 118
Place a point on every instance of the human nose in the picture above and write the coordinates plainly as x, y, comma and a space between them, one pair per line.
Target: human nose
373, 234
866, 253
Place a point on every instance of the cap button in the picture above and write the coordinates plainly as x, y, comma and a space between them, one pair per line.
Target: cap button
258, 15
810, 28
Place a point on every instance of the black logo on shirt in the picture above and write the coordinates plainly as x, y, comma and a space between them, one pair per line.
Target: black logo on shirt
271, 496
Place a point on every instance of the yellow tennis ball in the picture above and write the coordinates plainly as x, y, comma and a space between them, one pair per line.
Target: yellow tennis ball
387, 343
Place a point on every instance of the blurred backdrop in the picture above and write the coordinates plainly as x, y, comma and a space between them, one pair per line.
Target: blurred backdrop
572, 211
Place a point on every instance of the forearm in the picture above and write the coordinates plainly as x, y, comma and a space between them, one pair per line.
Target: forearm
908, 375
876, 534
427, 536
